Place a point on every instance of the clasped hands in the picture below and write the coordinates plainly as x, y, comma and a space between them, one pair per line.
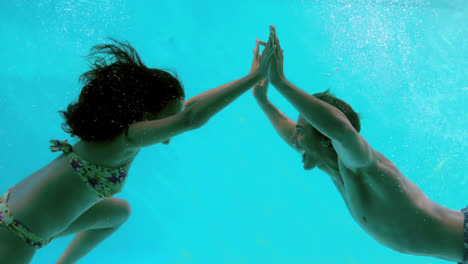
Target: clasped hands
269, 64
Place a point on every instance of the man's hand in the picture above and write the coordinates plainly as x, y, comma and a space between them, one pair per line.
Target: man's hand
261, 63
275, 73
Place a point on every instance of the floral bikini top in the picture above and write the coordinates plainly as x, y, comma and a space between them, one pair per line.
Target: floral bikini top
105, 182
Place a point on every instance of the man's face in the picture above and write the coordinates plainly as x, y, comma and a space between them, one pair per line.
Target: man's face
308, 140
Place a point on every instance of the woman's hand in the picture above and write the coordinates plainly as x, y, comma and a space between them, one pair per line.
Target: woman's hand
256, 58
261, 63
275, 73
260, 89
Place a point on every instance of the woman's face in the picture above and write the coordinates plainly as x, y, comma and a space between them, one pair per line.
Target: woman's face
170, 109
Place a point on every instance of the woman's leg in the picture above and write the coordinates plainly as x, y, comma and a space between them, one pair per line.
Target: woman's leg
13, 249
93, 226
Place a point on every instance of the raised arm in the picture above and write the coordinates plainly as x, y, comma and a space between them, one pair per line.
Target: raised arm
194, 99
284, 126
253, 68
350, 146
199, 110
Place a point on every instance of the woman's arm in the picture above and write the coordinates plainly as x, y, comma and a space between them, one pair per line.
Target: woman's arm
210, 104
199, 111
204, 94
253, 67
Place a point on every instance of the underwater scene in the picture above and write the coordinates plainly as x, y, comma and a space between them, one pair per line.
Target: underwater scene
237, 132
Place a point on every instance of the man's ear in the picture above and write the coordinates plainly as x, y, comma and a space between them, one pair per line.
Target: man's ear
326, 142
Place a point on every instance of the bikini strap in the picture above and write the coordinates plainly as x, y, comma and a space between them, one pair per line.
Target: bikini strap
60, 145
5, 196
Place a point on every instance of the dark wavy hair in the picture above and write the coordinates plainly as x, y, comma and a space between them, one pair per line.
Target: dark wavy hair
117, 91
344, 107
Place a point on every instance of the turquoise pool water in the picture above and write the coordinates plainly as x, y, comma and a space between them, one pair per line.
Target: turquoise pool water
232, 191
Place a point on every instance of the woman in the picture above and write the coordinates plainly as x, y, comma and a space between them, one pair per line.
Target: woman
123, 107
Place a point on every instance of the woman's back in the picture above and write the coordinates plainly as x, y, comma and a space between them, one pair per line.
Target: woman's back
50, 199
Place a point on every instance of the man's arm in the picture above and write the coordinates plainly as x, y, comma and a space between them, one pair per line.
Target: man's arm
284, 126
350, 146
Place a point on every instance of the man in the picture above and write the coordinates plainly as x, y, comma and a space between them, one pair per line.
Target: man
386, 204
